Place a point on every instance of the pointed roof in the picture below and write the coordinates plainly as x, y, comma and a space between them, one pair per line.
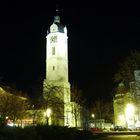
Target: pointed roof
57, 22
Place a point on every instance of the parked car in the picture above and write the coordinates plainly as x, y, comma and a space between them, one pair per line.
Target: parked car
120, 128
95, 130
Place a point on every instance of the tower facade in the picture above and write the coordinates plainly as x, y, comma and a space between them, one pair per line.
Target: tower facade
57, 66
57, 52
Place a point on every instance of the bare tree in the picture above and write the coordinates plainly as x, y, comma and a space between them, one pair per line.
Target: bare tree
19, 108
102, 110
54, 99
12, 106
78, 103
125, 73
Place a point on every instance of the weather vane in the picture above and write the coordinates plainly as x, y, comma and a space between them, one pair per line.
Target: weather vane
57, 9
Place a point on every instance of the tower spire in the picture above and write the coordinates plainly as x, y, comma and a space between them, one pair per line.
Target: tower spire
57, 9
57, 17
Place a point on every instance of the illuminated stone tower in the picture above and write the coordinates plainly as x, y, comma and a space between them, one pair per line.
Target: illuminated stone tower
57, 52
57, 64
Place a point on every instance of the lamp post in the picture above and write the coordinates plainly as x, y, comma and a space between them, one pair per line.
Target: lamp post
47, 114
92, 116
33, 112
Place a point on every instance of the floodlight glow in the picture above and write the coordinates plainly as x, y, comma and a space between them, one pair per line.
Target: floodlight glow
129, 115
129, 111
48, 112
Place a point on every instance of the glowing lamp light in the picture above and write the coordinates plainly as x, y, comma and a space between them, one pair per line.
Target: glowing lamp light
47, 113
92, 115
129, 111
6, 117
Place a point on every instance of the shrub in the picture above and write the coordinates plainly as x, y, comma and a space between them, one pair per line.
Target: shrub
43, 132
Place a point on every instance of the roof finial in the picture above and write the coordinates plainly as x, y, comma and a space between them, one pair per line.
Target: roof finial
57, 18
57, 11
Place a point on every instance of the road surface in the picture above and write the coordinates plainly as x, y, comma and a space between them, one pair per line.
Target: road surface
120, 137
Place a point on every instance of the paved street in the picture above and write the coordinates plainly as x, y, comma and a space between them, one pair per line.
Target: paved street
120, 137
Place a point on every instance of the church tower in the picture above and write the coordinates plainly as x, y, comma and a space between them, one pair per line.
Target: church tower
57, 52
57, 65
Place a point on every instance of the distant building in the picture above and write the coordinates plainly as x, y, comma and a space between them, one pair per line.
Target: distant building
127, 105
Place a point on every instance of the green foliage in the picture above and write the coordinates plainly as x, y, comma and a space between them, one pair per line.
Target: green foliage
44, 132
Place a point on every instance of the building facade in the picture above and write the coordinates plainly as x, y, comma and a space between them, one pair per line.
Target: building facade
127, 105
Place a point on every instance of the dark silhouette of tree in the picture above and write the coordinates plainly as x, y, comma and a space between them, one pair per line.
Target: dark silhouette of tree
125, 73
54, 99
78, 103
121, 89
12, 107
76, 95
102, 110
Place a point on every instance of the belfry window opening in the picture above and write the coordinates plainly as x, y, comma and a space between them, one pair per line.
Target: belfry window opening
53, 50
53, 67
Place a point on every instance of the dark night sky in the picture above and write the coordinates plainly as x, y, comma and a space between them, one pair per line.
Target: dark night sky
100, 36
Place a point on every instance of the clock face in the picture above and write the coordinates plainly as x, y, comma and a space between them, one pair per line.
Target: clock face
53, 39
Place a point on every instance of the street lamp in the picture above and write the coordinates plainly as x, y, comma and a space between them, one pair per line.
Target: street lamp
92, 115
93, 121
47, 114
